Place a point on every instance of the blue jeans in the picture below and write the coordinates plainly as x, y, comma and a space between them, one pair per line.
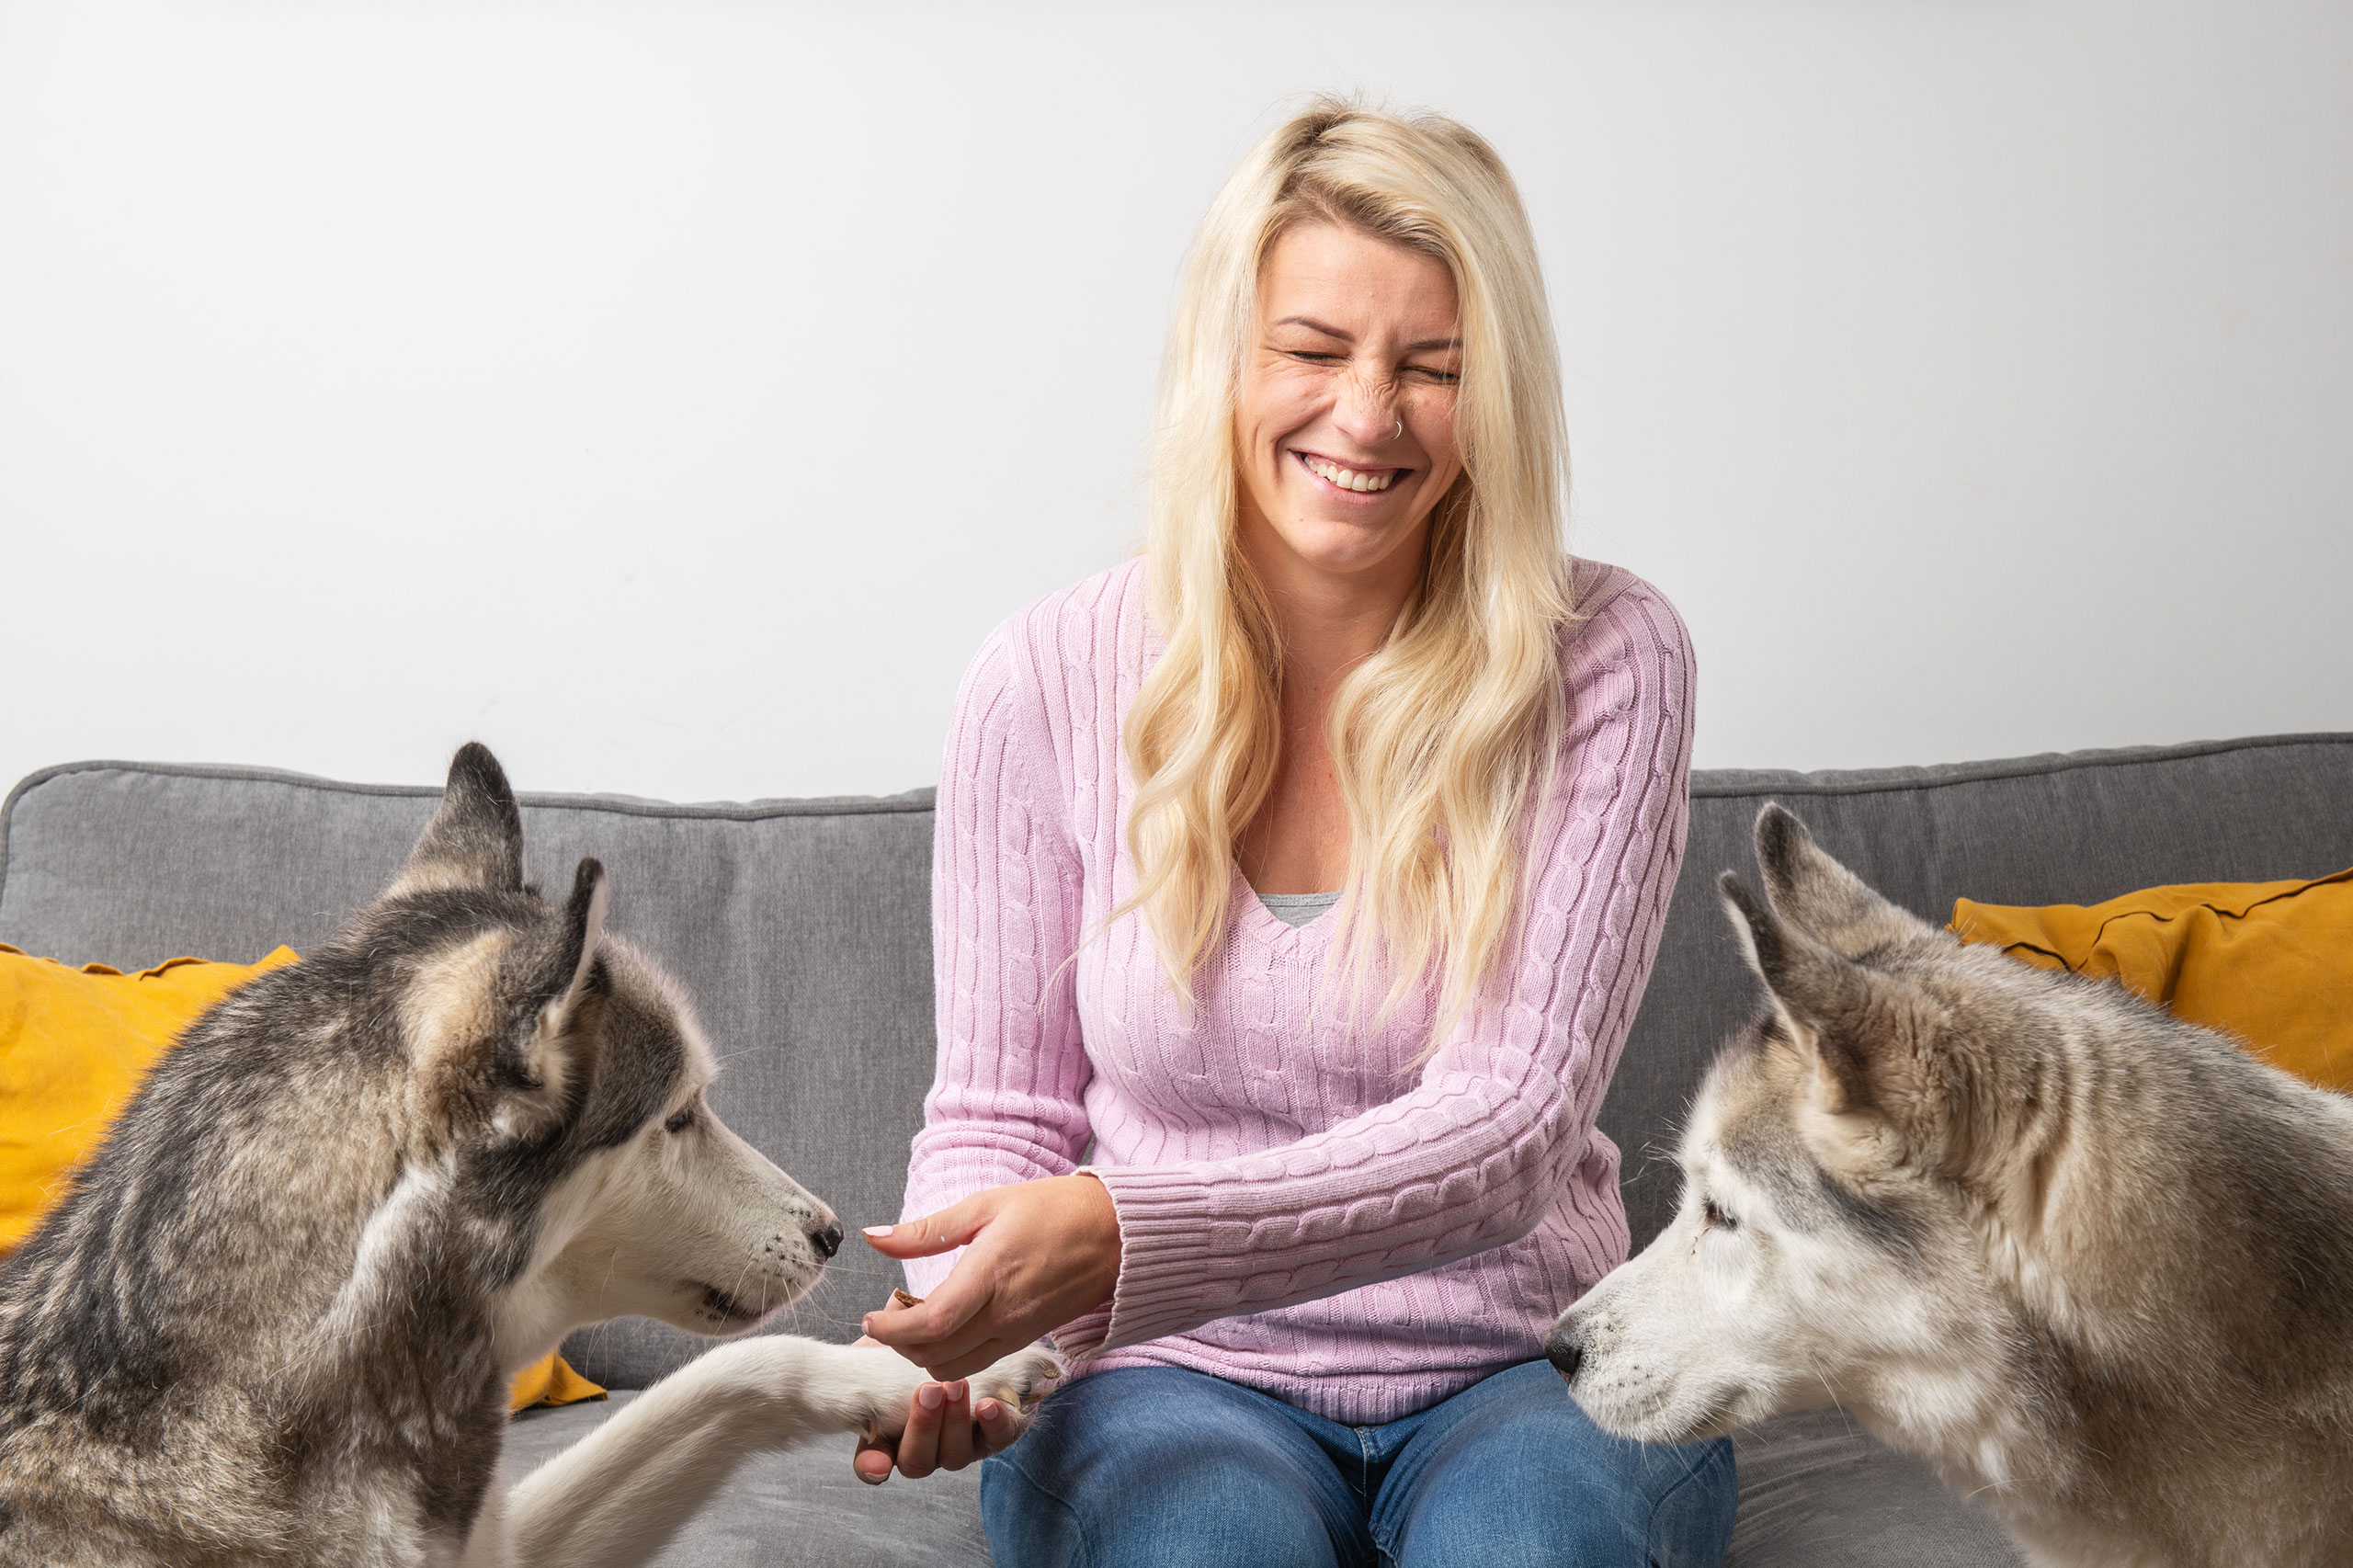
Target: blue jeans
1152, 1467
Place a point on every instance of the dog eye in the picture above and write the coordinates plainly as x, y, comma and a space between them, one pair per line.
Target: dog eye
1717, 1220
681, 1120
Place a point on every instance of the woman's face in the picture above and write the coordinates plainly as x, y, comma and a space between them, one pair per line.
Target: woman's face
1344, 430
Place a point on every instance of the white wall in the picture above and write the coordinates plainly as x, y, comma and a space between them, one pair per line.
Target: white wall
672, 394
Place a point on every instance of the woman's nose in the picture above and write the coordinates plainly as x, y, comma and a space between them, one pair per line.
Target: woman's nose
1367, 410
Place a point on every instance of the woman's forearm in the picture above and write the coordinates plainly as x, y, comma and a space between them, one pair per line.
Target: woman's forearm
1006, 1101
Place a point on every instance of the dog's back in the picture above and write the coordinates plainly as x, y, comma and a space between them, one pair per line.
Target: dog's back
2189, 1292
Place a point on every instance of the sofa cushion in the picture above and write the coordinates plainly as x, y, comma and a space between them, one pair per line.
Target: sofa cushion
74, 1043
1816, 1491
2269, 963
549, 1381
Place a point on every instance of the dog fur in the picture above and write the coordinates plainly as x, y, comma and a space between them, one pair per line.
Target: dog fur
275, 1319
2093, 1263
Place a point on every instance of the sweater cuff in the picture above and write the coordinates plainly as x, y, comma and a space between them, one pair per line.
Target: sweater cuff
1169, 1275
1082, 1337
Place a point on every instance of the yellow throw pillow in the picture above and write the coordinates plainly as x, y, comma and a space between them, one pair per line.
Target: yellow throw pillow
2268, 962
75, 1042
551, 1381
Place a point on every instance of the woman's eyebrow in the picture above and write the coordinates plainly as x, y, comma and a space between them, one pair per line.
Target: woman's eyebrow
1311, 324
1428, 346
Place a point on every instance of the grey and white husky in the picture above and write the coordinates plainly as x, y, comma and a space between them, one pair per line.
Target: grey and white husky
2094, 1264
275, 1319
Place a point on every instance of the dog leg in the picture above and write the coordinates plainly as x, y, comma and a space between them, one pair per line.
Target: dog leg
615, 1498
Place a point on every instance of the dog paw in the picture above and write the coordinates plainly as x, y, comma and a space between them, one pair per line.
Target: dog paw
1019, 1380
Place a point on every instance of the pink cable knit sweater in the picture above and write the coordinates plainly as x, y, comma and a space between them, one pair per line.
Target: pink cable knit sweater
1302, 1208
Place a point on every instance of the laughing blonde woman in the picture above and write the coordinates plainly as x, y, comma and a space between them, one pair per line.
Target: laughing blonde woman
1308, 867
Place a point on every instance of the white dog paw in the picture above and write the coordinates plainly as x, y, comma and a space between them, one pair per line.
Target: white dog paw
1019, 1380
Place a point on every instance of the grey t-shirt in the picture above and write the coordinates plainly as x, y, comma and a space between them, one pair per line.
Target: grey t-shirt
1297, 908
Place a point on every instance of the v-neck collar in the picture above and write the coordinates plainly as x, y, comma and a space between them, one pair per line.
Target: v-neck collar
1264, 924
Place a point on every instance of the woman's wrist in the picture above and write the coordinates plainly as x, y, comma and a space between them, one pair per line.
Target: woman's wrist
1097, 1231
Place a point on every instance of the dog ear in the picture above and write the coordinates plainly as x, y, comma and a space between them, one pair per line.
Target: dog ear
475, 839
1873, 1040
584, 928
1816, 892
1815, 992
559, 1051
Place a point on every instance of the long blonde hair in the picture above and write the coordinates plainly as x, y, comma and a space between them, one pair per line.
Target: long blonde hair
1443, 738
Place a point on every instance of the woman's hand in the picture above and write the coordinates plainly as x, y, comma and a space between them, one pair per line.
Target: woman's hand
940, 1434
1037, 1253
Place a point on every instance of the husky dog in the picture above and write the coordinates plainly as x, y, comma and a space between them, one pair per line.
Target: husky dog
2092, 1263
275, 1319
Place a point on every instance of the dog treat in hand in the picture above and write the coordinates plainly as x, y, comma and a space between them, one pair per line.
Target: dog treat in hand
901, 1298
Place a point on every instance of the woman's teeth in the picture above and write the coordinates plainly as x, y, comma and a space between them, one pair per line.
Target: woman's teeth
1348, 478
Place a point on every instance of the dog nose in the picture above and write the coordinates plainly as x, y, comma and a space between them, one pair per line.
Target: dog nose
1566, 1356
828, 1241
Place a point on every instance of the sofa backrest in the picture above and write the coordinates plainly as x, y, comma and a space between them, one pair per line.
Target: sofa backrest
801, 926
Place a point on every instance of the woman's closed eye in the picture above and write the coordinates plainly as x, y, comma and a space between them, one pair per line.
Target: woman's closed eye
1436, 375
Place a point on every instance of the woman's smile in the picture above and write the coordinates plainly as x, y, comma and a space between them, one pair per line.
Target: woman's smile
1352, 480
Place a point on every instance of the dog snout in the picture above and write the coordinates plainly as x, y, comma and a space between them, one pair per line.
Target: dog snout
827, 1240
1566, 1355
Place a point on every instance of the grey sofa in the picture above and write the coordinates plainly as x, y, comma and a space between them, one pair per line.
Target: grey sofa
801, 926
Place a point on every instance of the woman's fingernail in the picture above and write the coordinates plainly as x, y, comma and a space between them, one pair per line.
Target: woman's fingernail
986, 1410
879, 1232
956, 1391
866, 1325
930, 1396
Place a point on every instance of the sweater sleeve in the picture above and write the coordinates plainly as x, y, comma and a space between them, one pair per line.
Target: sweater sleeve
1005, 1104
1476, 1153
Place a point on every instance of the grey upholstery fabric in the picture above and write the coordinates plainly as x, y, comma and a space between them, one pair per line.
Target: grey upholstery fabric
1815, 1492
802, 928
2075, 828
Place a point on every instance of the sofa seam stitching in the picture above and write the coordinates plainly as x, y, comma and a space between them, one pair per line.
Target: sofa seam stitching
2045, 766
